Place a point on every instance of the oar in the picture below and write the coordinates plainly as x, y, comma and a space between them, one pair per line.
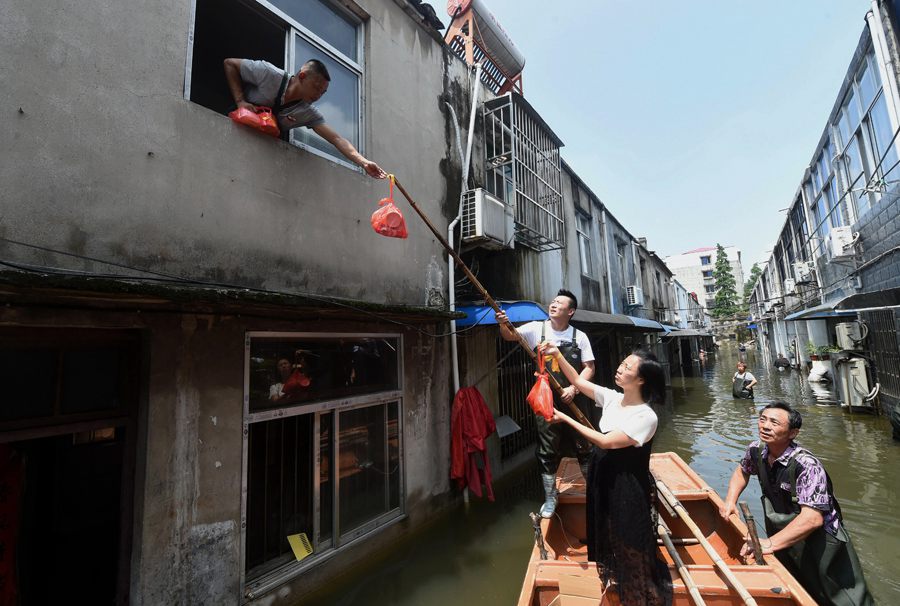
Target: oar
666, 535
490, 300
682, 513
751, 528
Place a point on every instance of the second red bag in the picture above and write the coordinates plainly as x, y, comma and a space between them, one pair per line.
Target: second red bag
388, 220
540, 398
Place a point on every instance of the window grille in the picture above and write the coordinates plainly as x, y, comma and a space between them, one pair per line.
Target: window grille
523, 170
515, 376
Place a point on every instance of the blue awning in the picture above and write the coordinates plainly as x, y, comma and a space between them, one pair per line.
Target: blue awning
648, 324
668, 328
820, 312
517, 311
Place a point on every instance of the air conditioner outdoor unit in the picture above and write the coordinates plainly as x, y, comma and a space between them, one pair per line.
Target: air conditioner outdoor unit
790, 287
634, 295
802, 272
850, 335
486, 221
839, 238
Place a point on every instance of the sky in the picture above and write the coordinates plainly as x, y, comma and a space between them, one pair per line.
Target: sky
692, 121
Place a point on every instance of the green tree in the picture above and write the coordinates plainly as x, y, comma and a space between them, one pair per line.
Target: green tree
749, 284
726, 300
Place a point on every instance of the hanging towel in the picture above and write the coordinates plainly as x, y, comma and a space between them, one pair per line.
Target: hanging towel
471, 422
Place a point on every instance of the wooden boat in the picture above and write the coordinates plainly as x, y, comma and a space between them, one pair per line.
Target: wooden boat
566, 578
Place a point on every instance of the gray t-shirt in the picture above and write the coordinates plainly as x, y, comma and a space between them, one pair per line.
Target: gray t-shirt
261, 83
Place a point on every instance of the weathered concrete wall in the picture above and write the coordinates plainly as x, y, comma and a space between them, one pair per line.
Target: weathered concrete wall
187, 525
618, 237
107, 159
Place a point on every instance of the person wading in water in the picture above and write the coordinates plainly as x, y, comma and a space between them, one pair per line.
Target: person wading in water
803, 519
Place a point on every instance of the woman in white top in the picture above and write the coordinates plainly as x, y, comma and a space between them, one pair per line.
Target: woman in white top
621, 524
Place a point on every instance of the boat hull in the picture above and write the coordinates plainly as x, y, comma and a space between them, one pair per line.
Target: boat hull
569, 578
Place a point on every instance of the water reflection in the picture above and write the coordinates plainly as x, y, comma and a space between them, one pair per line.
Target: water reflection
477, 555
710, 429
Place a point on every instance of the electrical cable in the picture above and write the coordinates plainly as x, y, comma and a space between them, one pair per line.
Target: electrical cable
161, 277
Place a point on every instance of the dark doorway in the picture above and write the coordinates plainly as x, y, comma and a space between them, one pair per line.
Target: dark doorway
67, 451
70, 518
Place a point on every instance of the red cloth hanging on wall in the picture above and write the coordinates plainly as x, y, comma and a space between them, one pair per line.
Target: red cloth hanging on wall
471, 422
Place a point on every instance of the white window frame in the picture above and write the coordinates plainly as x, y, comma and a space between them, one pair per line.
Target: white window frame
295, 28
584, 243
338, 543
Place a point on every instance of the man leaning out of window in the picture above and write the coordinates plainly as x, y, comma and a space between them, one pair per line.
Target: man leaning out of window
255, 83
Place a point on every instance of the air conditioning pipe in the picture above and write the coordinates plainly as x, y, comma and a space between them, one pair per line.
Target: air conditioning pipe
451, 273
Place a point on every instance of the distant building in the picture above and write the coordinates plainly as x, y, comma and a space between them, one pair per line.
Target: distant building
694, 269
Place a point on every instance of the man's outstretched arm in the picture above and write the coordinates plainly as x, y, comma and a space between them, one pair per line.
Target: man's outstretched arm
349, 152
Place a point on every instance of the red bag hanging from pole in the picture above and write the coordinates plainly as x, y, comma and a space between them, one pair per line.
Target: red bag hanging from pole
388, 220
540, 398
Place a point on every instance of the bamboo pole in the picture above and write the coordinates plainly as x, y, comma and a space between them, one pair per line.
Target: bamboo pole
666, 536
754, 538
488, 298
673, 501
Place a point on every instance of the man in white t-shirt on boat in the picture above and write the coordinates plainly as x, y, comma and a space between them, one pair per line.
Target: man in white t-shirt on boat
555, 440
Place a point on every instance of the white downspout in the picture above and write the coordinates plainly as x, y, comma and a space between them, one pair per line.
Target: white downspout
451, 274
612, 301
885, 63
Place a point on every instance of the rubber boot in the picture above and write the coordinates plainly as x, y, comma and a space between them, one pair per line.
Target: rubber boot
551, 493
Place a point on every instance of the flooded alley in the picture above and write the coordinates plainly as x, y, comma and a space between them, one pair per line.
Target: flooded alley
477, 556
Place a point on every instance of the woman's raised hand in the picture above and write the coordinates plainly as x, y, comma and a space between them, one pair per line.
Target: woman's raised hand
548, 349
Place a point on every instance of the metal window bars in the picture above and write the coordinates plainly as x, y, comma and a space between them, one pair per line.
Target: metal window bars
523, 170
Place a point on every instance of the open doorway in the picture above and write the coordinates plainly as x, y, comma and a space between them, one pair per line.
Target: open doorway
69, 523
67, 443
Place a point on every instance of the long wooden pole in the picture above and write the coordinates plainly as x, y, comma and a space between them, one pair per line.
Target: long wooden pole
711, 552
689, 583
489, 299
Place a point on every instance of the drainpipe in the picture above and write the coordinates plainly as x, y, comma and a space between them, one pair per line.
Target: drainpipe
885, 62
612, 301
451, 274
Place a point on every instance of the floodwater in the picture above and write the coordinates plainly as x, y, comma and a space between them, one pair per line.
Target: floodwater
477, 555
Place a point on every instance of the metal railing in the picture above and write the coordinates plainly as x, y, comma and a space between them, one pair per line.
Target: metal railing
523, 170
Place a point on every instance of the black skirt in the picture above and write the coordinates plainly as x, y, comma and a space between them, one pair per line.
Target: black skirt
621, 525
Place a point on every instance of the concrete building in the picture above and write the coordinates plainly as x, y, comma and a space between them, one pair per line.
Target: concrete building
833, 280
161, 265
694, 269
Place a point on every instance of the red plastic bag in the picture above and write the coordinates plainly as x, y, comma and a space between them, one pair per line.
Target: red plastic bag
261, 119
388, 220
540, 398
295, 387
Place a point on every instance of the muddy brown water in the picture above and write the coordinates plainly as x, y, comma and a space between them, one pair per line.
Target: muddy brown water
477, 555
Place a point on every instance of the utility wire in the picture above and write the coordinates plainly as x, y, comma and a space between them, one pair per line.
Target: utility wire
160, 277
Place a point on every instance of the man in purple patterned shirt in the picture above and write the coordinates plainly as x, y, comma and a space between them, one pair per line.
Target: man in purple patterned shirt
803, 519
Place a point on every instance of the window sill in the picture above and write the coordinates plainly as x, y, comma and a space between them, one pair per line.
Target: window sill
318, 152
265, 583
